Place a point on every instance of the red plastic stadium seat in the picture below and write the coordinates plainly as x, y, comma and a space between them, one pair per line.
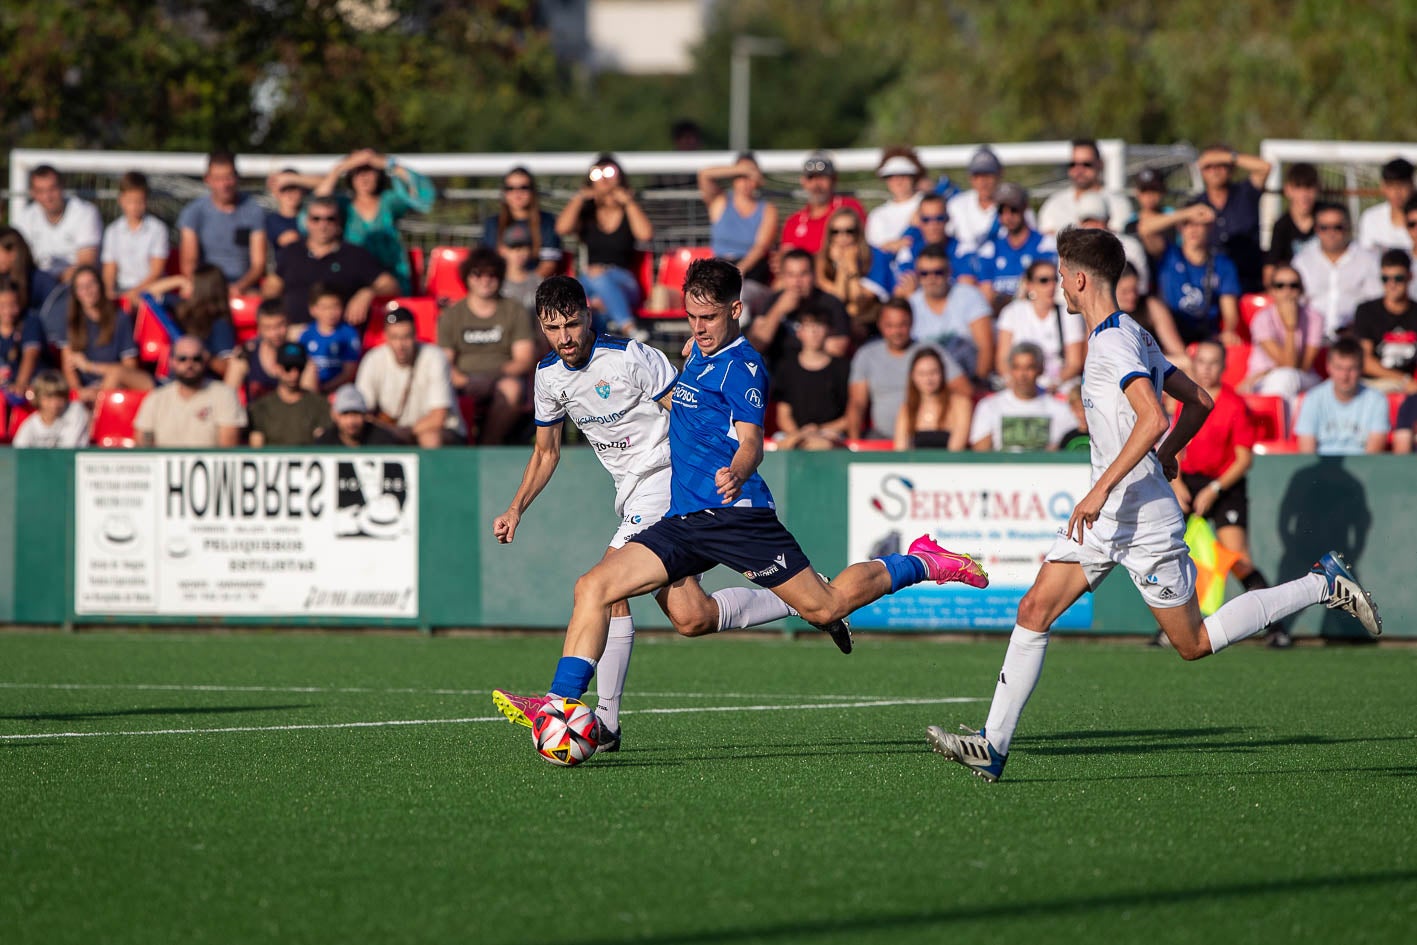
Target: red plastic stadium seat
425, 318
243, 316
5, 436
468, 408
113, 416
1250, 305
444, 283
1277, 447
1237, 364
18, 415
869, 446
151, 337
1394, 401
672, 267
1268, 413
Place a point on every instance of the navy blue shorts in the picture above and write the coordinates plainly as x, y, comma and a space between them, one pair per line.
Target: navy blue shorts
751, 541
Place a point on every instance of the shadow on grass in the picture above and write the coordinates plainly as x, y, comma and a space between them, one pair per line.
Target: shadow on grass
1391, 771
711, 753
903, 923
1208, 743
121, 713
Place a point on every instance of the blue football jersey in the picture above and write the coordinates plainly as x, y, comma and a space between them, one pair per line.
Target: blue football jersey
712, 394
998, 263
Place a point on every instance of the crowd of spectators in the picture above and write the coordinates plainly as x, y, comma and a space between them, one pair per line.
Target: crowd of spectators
932, 321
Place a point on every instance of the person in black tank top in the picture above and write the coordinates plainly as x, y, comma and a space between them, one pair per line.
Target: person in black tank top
604, 216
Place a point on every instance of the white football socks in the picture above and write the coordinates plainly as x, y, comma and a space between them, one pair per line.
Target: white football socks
610, 672
743, 607
1252, 611
1023, 664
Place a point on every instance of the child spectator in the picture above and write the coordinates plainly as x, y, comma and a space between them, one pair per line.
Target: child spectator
58, 423
522, 276
99, 353
253, 366
288, 188
811, 389
135, 248
332, 344
21, 341
1293, 231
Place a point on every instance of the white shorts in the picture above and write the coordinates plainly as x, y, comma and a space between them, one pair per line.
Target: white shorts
645, 506
1156, 557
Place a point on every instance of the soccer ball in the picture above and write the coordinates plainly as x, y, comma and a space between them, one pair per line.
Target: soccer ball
565, 731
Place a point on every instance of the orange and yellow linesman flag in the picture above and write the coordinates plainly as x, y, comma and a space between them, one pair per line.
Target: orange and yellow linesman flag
1213, 563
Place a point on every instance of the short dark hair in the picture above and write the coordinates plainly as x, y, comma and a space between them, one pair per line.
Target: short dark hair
933, 197
483, 258
1088, 143
1214, 342
899, 304
1094, 251
560, 295
318, 290
47, 170
684, 126
814, 312
133, 180
221, 159
798, 252
1400, 258
935, 251
1302, 174
1347, 347
1410, 205
713, 280
326, 201
1329, 206
1398, 169
270, 307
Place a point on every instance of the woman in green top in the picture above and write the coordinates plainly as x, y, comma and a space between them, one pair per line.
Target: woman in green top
381, 190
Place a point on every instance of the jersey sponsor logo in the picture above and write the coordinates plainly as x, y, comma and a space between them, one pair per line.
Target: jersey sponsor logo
686, 395
608, 418
614, 445
779, 564
755, 398
603, 389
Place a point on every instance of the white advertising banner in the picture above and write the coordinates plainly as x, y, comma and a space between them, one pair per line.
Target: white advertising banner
246, 534
1004, 514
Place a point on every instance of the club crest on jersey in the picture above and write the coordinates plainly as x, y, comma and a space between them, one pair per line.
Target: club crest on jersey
603, 389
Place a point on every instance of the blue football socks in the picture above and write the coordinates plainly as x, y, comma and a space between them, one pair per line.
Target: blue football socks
572, 677
904, 570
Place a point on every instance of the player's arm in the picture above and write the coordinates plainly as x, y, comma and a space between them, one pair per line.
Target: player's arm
746, 458
1151, 424
1195, 407
545, 454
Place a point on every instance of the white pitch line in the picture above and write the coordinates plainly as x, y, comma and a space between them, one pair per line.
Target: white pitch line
872, 704
367, 690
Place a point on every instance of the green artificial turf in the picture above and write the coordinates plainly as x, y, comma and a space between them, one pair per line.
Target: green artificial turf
1255, 797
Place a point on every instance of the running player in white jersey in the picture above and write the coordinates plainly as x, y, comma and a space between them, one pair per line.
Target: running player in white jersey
617, 392
1130, 516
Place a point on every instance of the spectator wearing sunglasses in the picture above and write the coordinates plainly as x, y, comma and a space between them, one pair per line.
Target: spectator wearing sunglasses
1085, 173
1384, 226
1337, 272
1386, 327
1236, 230
324, 257
806, 229
609, 223
854, 271
1036, 318
290, 415
930, 229
1286, 337
521, 203
1002, 259
193, 412
957, 318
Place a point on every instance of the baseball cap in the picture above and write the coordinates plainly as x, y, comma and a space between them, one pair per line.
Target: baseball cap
291, 354
1091, 206
985, 161
398, 315
898, 166
348, 399
517, 234
819, 162
1012, 195
1149, 178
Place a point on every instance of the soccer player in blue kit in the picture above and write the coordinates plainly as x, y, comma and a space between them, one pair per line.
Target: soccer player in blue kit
720, 510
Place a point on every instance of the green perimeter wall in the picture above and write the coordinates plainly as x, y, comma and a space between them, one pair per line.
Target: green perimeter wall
1299, 506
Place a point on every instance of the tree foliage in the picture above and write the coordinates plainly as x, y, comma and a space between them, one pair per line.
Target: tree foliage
443, 75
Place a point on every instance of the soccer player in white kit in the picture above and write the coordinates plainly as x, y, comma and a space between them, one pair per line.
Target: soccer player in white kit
617, 392
1130, 516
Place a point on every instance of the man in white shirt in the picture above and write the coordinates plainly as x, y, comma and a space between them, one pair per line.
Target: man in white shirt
1337, 272
974, 214
1384, 226
1085, 172
408, 386
63, 232
1020, 418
